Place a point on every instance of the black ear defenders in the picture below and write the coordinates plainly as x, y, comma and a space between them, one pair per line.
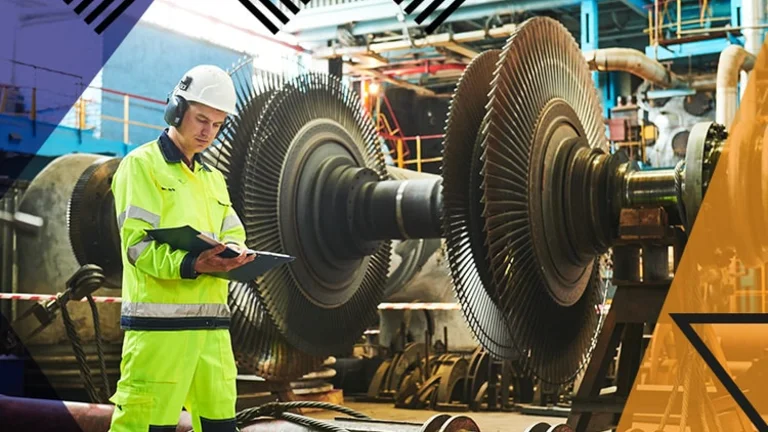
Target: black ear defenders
176, 106
175, 109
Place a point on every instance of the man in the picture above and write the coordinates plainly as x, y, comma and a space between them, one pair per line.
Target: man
177, 350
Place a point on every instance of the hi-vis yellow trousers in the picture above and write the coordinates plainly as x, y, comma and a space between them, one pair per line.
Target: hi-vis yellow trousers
163, 371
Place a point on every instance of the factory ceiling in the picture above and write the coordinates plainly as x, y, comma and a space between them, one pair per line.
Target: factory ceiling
377, 38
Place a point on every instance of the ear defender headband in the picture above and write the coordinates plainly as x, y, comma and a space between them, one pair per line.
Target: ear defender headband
176, 105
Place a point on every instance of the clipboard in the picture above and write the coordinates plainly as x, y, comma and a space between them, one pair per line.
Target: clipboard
189, 239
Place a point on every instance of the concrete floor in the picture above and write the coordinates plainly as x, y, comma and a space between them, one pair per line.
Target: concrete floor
487, 421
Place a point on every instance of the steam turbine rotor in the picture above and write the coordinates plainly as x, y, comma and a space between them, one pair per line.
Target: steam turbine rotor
528, 201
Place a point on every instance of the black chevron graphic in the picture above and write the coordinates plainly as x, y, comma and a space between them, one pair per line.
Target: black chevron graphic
431, 7
685, 321
99, 10
274, 10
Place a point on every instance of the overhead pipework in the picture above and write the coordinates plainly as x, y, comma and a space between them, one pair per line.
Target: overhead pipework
733, 60
637, 63
632, 61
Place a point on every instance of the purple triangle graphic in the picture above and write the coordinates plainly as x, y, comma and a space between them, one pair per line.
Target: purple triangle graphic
49, 54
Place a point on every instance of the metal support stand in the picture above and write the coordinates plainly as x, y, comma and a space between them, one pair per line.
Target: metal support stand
641, 275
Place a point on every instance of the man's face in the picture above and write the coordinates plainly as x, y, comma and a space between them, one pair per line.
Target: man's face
200, 126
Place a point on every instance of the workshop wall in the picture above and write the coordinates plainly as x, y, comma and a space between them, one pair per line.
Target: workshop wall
149, 63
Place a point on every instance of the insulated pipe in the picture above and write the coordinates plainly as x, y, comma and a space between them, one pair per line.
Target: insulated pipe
632, 61
703, 82
733, 60
751, 17
750, 20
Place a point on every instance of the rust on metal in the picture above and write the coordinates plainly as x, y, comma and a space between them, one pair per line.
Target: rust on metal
643, 223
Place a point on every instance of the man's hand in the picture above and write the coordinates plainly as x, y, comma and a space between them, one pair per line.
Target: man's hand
237, 248
210, 262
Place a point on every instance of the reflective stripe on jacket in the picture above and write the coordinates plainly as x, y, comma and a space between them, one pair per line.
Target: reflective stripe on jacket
153, 188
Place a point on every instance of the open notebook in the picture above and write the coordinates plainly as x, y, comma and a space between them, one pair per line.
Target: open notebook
189, 239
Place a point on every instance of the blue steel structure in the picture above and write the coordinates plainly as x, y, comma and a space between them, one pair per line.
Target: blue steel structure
62, 139
697, 48
321, 23
590, 37
690, 49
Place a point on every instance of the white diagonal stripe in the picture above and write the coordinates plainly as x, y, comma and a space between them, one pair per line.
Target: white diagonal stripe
231, 221
135, 212
134, 252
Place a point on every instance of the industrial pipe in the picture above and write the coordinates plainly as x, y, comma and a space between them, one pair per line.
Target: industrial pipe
733, 60
45, 415
632, 61
706, 82
751, 17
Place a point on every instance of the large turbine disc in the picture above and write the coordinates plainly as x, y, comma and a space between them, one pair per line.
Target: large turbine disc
320, 303
542, 102
521, 122
463, 221
258, 345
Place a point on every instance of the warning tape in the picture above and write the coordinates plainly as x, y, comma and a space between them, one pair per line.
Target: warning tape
419, 306
39, 297
382, 306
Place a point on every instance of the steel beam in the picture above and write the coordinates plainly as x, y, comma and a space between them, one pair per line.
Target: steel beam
462, 49
638, 6
589, 25
735, 13
670, 52
419, 90
590, 36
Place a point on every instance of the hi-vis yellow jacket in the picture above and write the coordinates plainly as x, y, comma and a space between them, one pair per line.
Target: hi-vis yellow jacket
154, 188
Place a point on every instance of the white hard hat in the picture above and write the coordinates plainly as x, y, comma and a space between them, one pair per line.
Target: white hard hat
208, 85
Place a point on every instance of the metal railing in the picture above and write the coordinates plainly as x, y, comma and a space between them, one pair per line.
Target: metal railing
661, 21
125, 120
33, 103
84, 114
27, 97
399, 153
11, 192
395, 137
